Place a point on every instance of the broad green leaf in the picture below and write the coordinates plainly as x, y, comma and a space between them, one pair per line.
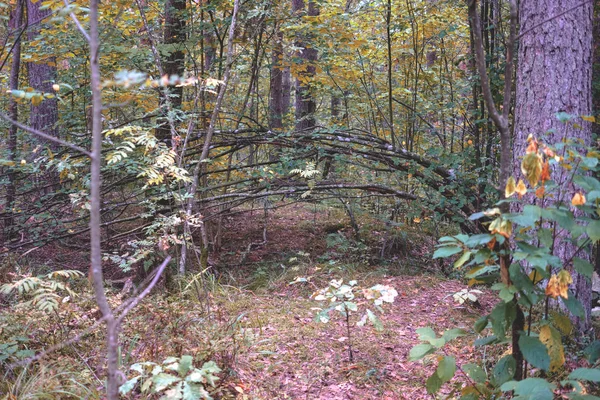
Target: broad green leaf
193, 391
504, 370
375, 321
419, 351
446, 368
129, 385
184, 365
475, 372
433, 384
452, 334
481, 323
531, 388
534, 352
592, 352
163, 381
573, 305
593, 230
446, 251
463, 259
426, 333
584, 267
586, 374
484, 341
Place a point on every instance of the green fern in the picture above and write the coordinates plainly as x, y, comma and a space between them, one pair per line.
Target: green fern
44, 292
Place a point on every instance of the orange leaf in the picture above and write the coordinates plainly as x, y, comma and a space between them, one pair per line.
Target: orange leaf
553, 289
545, 171
539, 193
578, 199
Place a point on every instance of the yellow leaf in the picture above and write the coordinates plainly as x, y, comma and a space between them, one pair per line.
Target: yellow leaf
552, 340
532, 168
521, 189
578, 199
36, 100
562, 323
510, 187
535, 277
588, 118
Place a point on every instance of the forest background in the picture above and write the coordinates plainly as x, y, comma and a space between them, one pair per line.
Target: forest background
154, 145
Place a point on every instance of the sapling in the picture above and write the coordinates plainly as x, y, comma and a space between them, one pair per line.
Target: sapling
341, 299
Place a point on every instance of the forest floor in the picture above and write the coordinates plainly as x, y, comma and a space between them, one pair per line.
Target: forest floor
260, 329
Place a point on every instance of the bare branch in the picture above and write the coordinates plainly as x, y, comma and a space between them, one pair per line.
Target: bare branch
45, 135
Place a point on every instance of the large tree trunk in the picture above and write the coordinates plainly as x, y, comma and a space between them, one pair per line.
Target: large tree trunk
42, 75
173, 64
276, 83
16, 18
305, 103
554, 75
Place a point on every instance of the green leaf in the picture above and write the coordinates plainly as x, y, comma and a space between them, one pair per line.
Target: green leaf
375, 321
586, 374
530, 388
484, 341
534, 352
504, 370
193, 391
446, 251
184, 365
463, 259
583, 267
433, 384
452, 334
426, 333
481, 323
573, 305
129, 385
446, 368
593, 230
592, 352
419, 351
475, 372
163, 381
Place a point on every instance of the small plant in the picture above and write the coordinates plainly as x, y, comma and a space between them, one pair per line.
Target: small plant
44, 291
466, 296
175, 378
341, 299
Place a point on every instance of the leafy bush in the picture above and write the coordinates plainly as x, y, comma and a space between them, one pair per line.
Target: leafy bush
517, 256
176, 378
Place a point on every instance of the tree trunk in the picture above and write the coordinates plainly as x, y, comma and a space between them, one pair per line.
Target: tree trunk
42, 75
555, 75
16, 17
173, 64
276, 83
305, 103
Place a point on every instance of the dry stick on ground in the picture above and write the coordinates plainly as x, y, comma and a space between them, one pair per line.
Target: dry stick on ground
207, 140
501, 121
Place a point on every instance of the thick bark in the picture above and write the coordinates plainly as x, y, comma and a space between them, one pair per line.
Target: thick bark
276, 83
16, 17
173, 64
42, 75
554, 75
305, 103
